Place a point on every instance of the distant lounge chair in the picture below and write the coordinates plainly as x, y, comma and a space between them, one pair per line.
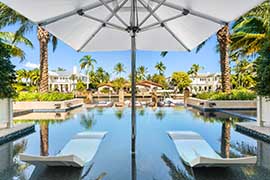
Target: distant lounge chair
196, 152
137, 104
78, 151
104, 104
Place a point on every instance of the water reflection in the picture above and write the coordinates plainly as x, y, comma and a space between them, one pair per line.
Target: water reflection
160, 114
44, 138
87, 120
225, 138
156, 156
175, 172
119, 113
10, 166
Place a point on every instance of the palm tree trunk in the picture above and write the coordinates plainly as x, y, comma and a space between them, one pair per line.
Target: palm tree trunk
44, 139
225, 139
43, 37
223, 36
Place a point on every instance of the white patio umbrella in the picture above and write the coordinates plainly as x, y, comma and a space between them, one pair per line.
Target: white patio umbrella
109, 25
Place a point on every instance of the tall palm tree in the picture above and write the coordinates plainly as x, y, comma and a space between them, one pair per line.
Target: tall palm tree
160, 67
119, 68
195, 68
141, 72
10, 17
223, 37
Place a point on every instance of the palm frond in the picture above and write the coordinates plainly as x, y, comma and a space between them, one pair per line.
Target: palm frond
163, 53
54, 42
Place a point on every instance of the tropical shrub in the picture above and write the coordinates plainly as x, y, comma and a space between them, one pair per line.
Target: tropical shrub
181, 80
53, 96
81, 86
160, 79
263, 72
7, 73
233, 95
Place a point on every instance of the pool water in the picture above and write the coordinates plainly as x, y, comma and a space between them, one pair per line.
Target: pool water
156, 155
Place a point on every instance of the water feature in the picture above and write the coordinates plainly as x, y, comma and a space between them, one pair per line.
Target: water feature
156, 155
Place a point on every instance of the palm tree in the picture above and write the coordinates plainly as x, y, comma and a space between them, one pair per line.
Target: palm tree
119, 68
10, 40
245, 73
195, 68
250, 31
22, 74
223, 37
160, 67
87, 62
34, 77
102, 75
141, 72
11, 17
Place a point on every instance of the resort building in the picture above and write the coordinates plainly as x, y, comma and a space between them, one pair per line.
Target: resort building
205, 82
66, 81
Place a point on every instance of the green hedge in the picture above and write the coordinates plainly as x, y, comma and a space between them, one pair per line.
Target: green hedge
53, 96
233, 95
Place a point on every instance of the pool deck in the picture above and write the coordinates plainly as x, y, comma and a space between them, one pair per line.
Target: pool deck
253, 130
15, 132
20, 112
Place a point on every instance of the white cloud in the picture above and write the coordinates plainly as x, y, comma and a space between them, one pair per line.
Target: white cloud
31, 65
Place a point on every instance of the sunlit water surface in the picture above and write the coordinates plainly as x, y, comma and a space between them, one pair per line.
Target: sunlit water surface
156, 155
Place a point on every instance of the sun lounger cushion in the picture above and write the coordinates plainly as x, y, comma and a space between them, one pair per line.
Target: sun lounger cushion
196, 152
78, 151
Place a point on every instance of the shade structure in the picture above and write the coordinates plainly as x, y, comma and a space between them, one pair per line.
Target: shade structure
109, 25
102, 25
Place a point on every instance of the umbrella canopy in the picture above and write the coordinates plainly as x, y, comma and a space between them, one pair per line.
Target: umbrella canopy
107, 25
102, 25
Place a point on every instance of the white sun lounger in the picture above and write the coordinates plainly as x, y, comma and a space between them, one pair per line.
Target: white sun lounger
196, 152
78, 151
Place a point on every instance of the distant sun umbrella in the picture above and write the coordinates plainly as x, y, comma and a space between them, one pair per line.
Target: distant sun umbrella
109, 25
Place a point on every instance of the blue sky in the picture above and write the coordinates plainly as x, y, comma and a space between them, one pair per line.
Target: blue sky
66, 57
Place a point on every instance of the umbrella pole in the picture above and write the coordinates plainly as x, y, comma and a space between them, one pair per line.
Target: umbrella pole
133, 92
133, 102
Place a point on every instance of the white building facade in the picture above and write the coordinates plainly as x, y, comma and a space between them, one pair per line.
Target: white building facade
66, 81
207, 82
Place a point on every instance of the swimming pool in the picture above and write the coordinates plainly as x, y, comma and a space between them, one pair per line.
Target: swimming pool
156, 155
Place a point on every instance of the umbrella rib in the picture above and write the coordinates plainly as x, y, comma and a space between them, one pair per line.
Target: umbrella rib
105, 22
158, 24
110, 9
70, 13
194, 13
150, 14
164, 25
102, 25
